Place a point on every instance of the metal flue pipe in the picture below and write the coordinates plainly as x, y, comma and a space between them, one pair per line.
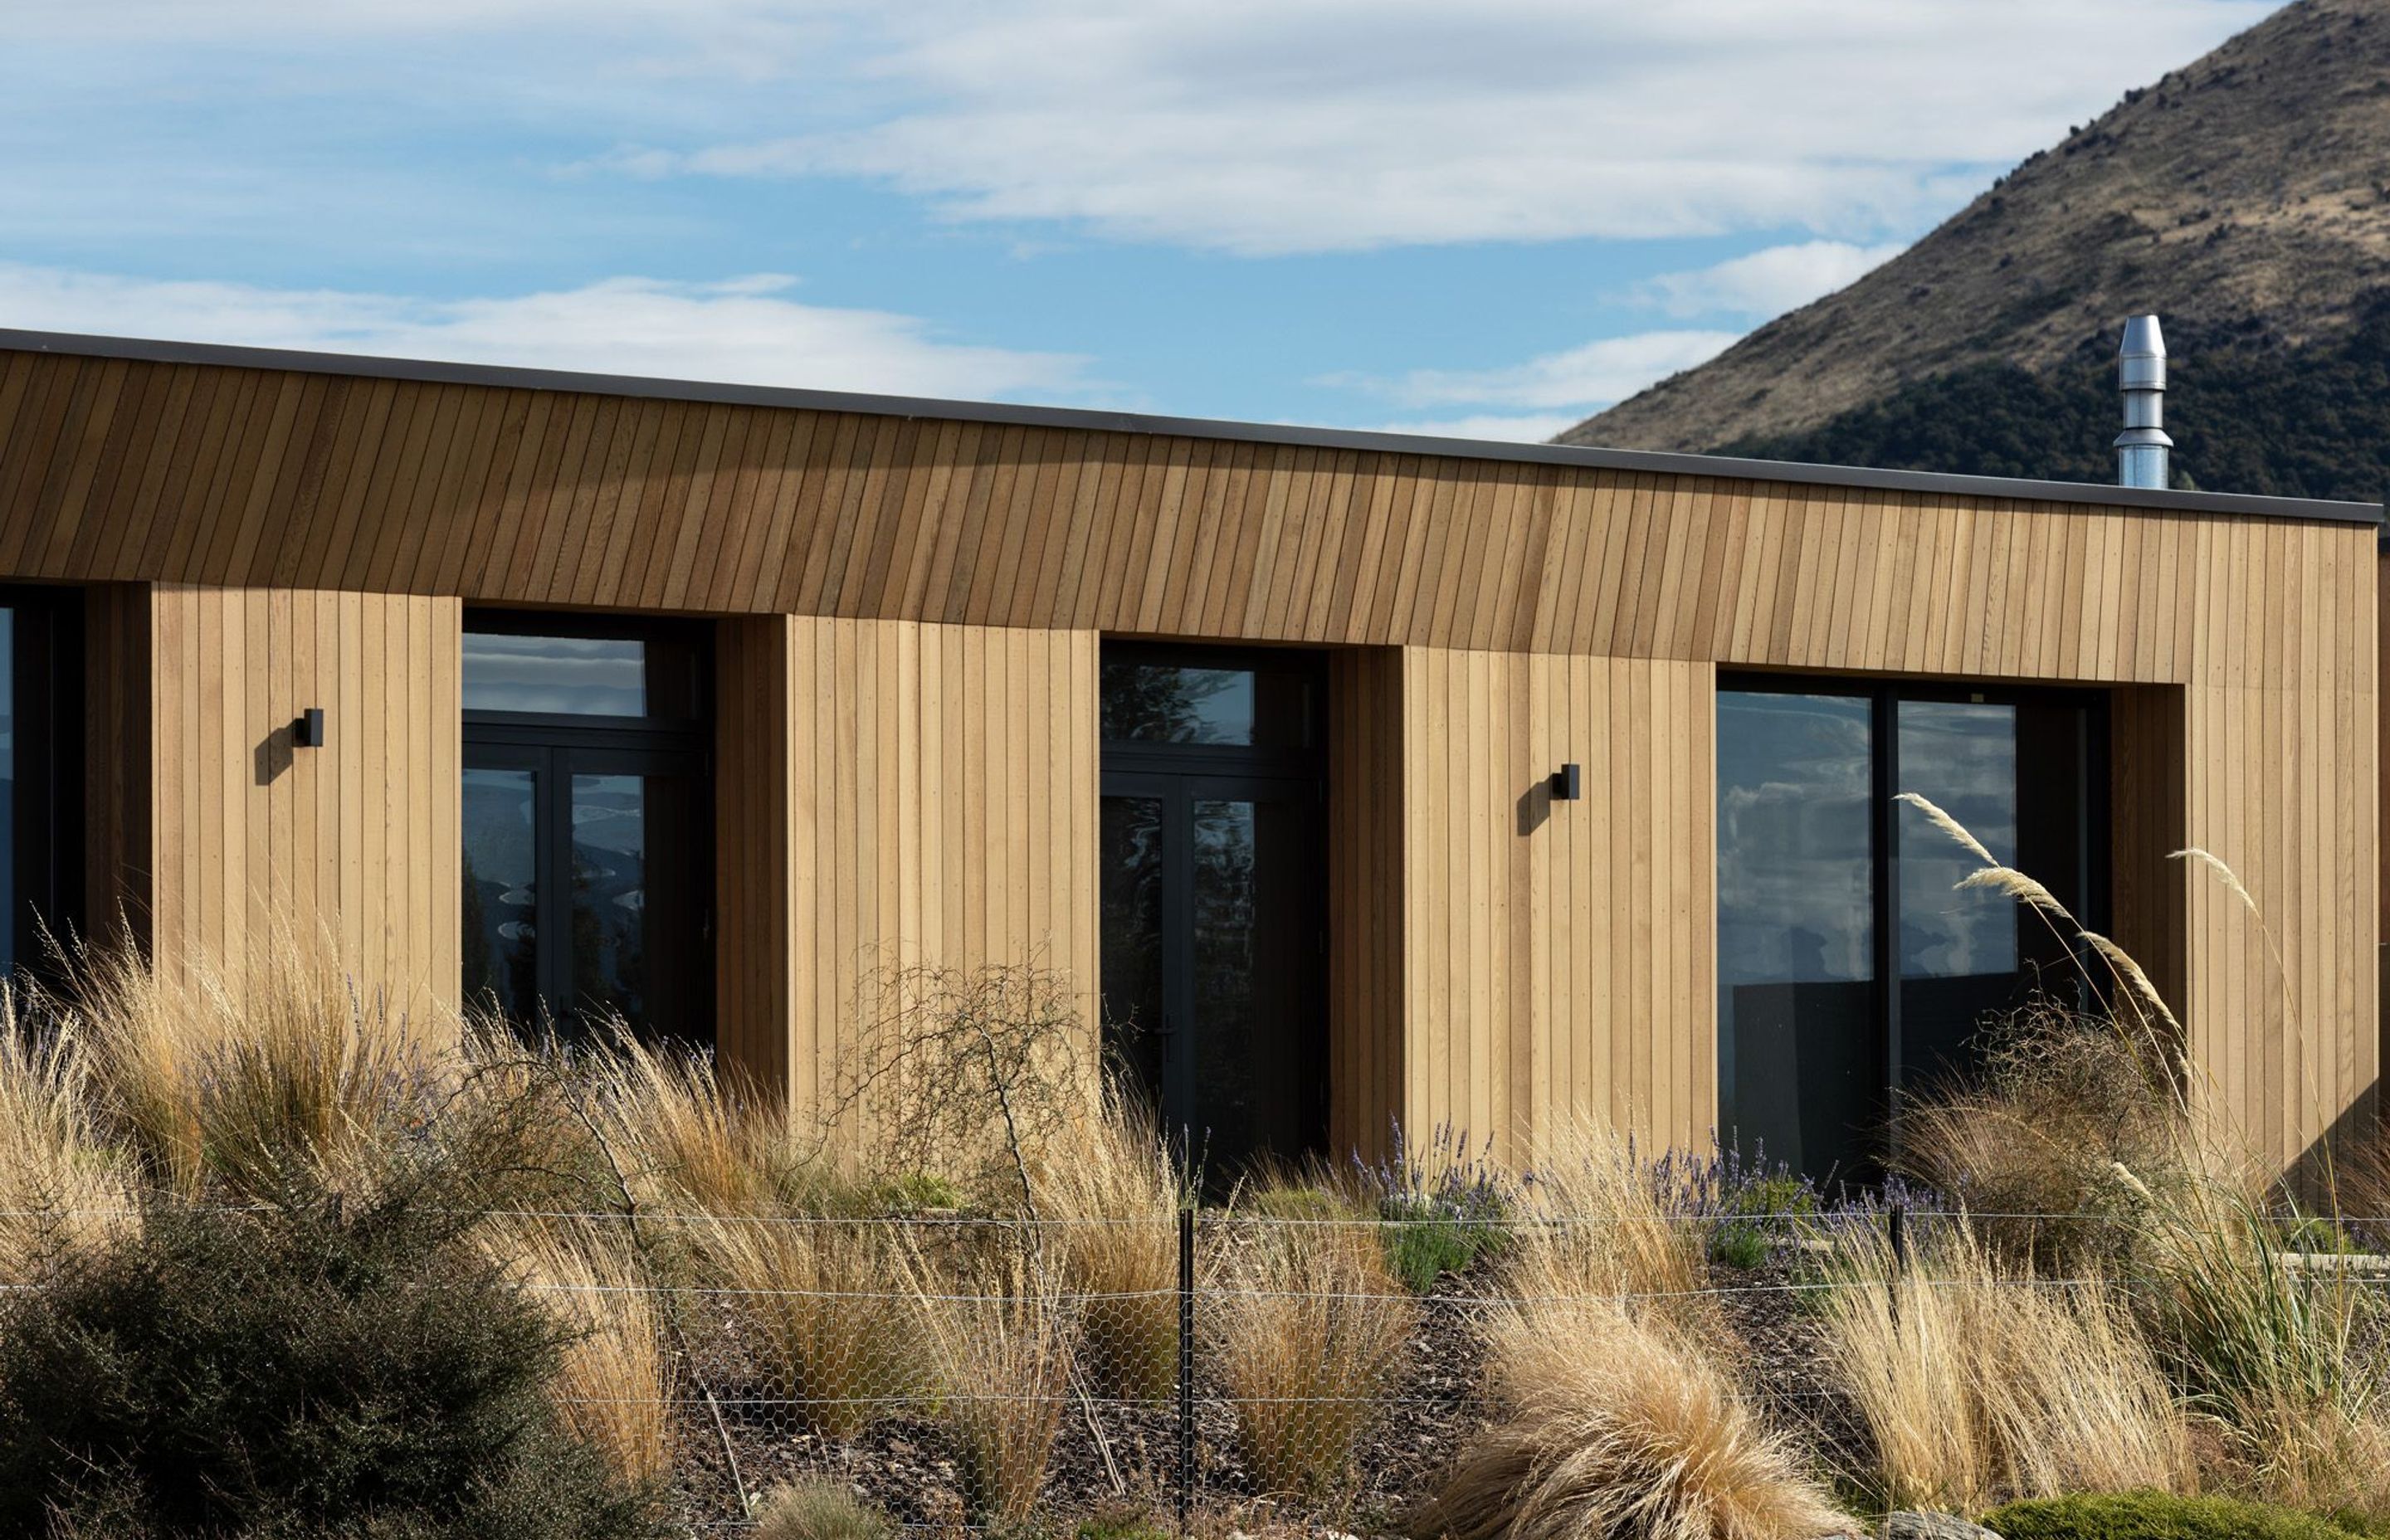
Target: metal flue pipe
2144, 451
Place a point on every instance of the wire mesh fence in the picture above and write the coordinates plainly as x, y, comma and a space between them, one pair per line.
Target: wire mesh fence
1206, 1372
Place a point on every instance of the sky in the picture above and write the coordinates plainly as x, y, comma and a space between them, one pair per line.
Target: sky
1487, 219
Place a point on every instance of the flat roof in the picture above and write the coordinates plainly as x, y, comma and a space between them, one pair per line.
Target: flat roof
1642, 461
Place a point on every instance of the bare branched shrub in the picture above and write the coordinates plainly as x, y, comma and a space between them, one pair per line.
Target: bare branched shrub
63, 1191
615, 1384
963, 1072
1978, 1384
1115, 1193
1616, 1426
1306, 1330
1002, 1334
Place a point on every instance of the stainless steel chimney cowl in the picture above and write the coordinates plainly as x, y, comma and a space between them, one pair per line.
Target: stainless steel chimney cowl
2143, 452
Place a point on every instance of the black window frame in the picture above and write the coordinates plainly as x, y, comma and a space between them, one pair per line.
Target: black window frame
558, 746
47, 691
1884, 695
1180, 774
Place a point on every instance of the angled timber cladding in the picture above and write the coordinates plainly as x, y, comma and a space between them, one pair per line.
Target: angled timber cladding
912, 600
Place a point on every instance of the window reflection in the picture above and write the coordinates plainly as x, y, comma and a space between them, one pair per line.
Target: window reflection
1156, 702
557, 676
501, 890
1797, 1051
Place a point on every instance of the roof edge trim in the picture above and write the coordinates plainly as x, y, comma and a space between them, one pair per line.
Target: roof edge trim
1086, 419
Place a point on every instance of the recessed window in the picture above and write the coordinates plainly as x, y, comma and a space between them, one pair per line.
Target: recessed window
586, 822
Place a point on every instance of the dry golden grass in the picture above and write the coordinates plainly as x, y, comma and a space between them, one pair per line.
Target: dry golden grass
1113, 1194
61, 1188
1593, 1223
1305, 1324
246, 1081
816, 1509
1977, 1385
616, 1383
1001, 1334
1615, 1426
696, 1151
826, 1301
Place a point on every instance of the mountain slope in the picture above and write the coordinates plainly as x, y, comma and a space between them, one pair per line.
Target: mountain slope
2245, 199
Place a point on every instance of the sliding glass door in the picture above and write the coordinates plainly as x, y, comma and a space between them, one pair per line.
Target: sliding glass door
1852, 968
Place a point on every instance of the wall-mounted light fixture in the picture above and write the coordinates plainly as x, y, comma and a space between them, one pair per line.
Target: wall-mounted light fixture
307, 729
1566, 784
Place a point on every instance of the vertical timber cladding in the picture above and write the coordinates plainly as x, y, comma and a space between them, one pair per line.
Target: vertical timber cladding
1560, 957
254, 842
906, 794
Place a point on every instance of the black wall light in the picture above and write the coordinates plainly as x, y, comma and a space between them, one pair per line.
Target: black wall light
307, 730
1566, 787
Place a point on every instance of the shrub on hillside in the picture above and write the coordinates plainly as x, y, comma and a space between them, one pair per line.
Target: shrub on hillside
295, 1370
2155, 1516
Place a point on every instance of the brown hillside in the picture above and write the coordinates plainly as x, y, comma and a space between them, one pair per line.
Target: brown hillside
2247, 194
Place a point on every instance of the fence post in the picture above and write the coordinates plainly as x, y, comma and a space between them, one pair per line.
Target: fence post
1897, 1221
1186, 1368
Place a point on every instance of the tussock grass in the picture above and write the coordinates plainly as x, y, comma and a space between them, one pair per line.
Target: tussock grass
817, 1509
615, 1383
1305, 1329
826, 1301
1978, 1384
1614, 1426
1592, 1222
62, 1190
248, 1081
1002, 1335
1116, 1193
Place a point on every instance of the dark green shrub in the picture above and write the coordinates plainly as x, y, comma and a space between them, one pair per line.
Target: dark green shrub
293, 1372
2155, 1516
1122, 1522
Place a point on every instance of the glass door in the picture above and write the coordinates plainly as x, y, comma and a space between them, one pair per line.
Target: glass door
1212, 905
1851, 969
586, 829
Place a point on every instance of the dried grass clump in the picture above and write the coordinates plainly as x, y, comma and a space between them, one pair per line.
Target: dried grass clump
2074, 1130
62, 1190
1112, 1195
816, 1509
696, 1151
1614, 1426
281, 1071
1978, 1385
615, 1384
1001, 1332
1307, 1326
828, 1301
1593, 1223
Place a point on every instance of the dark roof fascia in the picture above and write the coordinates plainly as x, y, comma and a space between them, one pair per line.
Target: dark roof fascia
1632, 461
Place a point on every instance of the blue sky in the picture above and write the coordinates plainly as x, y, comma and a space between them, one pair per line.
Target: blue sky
1489, 218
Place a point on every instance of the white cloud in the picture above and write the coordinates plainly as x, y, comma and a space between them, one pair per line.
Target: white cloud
1265, 127
1254, 126
1592, 375
741, 330
1766, 282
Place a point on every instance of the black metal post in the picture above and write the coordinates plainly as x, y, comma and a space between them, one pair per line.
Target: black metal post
1896, 1221
1186, 1368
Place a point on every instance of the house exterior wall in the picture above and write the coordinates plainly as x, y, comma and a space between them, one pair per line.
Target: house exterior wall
911, 608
